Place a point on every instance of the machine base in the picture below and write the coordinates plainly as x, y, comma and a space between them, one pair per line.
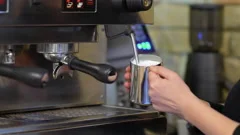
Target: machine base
94, 120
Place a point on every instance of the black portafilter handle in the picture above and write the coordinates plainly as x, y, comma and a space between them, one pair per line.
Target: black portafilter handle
35, 77
102, 72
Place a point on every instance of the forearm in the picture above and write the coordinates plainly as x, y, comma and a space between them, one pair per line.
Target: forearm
209, 121
217, 107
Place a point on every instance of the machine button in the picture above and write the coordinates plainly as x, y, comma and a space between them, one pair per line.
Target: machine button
68, 5
86, 5
79, 6
4, 6
90, 3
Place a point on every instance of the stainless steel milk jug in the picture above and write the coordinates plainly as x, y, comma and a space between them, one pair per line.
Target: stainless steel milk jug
139, 78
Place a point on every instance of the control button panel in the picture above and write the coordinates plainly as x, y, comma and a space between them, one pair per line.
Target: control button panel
80, 6
4, 4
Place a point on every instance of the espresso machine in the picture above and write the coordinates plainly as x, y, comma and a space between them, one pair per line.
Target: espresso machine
53, 68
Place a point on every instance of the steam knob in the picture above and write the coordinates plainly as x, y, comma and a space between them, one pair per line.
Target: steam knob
138, 5
132, 5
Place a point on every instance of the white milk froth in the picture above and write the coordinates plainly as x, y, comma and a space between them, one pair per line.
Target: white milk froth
147, 63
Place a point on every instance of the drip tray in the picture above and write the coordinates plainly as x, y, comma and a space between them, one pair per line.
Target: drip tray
65, 114
70, 117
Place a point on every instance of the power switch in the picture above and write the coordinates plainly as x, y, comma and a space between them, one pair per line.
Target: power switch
4, 4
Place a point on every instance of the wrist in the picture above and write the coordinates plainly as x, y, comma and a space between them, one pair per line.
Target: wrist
190, 104
206, 103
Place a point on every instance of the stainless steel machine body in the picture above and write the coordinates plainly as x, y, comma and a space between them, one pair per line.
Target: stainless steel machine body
41, 22
31, 28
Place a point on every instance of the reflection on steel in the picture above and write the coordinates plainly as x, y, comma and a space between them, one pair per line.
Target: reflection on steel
7, 54
57, 48
59, 70
71, 91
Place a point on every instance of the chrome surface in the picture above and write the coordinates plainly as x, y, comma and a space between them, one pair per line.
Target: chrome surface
134, 47
79, 90
54, 57
7, 54
58, 53
58, 48
9, 57
104, 118
139, 79
66, 59
60, 70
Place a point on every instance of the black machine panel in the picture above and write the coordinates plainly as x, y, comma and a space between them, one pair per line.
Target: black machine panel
68, 12
4, 6
51, 21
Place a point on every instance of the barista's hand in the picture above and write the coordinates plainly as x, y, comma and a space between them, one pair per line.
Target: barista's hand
168, 91
127, 77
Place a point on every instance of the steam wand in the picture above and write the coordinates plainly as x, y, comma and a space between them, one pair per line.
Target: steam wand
134, 48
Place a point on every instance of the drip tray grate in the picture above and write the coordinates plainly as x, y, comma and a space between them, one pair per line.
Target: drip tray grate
63, 114
67, 118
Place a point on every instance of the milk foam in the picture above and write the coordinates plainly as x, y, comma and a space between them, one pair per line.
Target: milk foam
146, 63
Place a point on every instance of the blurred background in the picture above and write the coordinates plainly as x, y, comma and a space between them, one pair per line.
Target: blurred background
198, 39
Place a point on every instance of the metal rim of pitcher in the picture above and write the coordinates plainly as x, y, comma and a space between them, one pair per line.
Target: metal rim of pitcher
147, 57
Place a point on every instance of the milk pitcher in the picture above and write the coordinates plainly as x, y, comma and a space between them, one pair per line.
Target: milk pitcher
139, 78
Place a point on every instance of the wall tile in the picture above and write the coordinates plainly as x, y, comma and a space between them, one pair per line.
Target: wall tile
225, 43
231, 13
171, 36
234, 46
171, 15
175, 41
232, 69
